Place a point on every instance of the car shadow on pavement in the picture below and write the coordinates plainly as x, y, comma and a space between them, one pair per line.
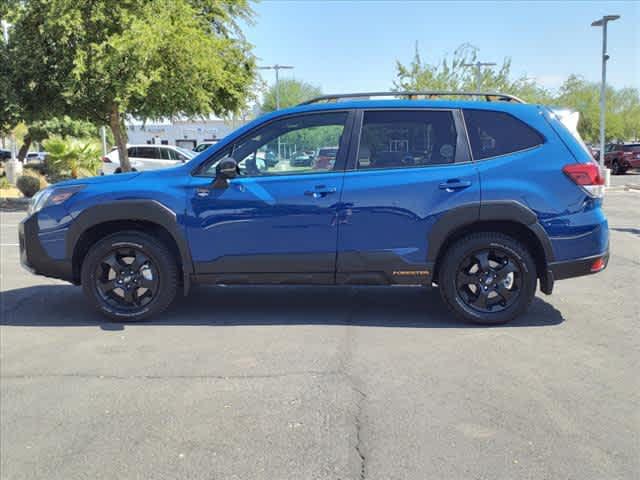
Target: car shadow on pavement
65, 306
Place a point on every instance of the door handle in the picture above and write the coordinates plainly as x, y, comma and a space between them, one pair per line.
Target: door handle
454, 184
320, 191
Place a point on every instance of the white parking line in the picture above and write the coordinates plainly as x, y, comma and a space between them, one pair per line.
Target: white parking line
9, 244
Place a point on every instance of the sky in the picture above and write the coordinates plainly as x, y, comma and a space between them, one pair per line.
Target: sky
352, 46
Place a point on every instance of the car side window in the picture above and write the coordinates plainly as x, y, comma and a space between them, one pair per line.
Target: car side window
409, 138
132, 152
168, 154
303, 144
492, 134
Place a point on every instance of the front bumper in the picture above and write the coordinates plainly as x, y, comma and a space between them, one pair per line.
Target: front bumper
33, 256
579, 266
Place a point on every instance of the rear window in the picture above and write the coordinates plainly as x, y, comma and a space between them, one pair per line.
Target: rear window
492, 134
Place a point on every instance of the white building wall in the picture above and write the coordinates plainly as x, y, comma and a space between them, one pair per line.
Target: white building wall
184, 133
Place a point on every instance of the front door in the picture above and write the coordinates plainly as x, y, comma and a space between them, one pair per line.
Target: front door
409, 168
275, 222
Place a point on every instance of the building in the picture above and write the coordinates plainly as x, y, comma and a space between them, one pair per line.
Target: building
182, 132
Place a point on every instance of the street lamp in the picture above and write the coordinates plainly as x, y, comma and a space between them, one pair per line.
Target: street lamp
602, 22
277, 68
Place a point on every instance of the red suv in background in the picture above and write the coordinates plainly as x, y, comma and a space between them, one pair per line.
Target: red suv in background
622, 157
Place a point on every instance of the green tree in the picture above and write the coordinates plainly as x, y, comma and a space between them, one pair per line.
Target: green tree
63, 127
292, 92
102, 60
450, 74
622, 116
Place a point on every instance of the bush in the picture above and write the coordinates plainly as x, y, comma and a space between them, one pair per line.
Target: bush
4, 183
73, 157
28, 185
41, 178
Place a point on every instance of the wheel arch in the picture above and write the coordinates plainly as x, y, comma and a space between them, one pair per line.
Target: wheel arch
508, 217
151, 216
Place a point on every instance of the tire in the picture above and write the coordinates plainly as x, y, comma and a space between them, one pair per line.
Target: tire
129, 276
118, 170
616, 169
495, 294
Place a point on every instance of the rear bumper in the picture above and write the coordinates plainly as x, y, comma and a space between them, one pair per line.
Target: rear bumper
33, 256
578, 267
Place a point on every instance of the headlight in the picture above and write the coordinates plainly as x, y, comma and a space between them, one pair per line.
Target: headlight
52, 196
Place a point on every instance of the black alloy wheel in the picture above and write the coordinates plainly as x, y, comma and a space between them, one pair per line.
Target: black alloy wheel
126, 278
489, 280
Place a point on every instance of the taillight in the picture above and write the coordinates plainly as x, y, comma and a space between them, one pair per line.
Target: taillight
106, 160
598, 265
587, 176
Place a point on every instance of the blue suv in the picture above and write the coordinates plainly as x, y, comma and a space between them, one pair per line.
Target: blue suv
483, 199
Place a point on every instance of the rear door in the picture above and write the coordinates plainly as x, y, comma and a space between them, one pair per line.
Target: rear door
407, 168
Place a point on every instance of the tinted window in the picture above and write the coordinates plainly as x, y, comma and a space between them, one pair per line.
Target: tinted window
288, 146
146, 152
393, 139
498, 133
632, 148
168, 154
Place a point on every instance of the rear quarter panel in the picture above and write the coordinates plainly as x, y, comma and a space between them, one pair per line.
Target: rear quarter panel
575, 222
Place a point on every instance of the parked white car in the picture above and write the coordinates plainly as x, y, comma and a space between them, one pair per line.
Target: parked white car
147, 157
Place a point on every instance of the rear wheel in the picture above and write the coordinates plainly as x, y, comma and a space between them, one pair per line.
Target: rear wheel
616, 168
488, 278
129, 276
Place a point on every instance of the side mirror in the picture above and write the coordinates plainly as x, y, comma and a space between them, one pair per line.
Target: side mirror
226, 169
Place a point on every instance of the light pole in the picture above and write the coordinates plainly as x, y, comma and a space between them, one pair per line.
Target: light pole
478, 73
277, 68
603, 86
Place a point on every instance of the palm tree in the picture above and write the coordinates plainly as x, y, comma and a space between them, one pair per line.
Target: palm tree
79, 159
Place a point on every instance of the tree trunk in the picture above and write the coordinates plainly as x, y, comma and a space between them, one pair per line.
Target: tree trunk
120, 136
22, 153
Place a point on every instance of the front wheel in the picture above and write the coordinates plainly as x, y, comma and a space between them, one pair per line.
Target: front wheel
488, 278
129, 276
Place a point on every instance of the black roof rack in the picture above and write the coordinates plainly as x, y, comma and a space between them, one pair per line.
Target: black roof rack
488, 96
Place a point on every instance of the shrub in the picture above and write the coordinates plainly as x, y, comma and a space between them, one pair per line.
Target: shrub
42, 180
71, 157
4, 183
28, 185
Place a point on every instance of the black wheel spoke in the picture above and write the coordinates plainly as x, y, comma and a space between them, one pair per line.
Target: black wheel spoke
481, 300
130, 296
108, 285
483, 260
466, 279
114, 262
149, 284
504, 293
506, 269
138, 261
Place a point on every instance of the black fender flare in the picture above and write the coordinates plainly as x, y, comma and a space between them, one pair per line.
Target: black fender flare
493, 210
131, 210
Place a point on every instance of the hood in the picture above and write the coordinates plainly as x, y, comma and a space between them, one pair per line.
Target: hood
120, 177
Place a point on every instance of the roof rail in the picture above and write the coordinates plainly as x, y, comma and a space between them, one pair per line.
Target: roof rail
488, 96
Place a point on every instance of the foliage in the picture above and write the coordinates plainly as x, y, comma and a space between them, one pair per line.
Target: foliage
450, 74
28, 185
103, 60
72, 156
42, 180
8, 101
292, 92
4, 183
622, 115
623, 106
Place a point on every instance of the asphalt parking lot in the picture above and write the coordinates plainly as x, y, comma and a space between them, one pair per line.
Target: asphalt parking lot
324, 383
